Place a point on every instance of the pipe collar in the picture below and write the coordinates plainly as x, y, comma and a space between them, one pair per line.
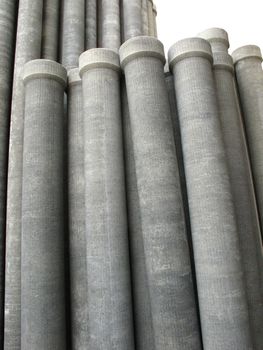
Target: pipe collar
42, 68
141, 46
191, 47
248, 51
74, 77
215, 35
98, 58
223, 60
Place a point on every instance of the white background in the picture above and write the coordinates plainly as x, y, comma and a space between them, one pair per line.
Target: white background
179, 19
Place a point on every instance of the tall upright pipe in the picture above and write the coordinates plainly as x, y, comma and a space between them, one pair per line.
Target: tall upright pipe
145, 23
91, 24
151, 30
166, 252
42, 258
109, 24
132, 18
73, 32
28, 47
50, 33
248, 60
155, 20
218, 39
243, 191
76, 209
110, 321
221, 290
8, 19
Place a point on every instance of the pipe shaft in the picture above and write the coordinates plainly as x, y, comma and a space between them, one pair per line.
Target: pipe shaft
91, 24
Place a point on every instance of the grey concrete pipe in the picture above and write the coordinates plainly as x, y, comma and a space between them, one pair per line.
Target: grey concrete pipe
132, 18
151, 25
145, 24
243, 191
73, 32
166, 252
51, 26
42, 259
248, 67
91, 24
8, 18
144, 333
109, 24
218, 39
221, 290
155, 20
76, 210
110, 321
28, 47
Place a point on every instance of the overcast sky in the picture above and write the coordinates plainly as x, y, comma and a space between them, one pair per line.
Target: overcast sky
243, 20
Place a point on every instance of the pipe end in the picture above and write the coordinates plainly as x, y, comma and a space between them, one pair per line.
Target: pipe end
248, 51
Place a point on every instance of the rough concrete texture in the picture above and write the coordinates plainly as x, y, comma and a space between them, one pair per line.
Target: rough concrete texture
50, 32
132, 18
217, 37
243, 191
28, 46
73, 32
8, 18
144, 332
76, 210
248, 60
110, 321
166, 252
109, 24
151, 18
221, 292
145, 24
91, 24
42, 258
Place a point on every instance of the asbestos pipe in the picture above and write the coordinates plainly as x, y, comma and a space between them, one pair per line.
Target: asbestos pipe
28, 47
249, 74
110, 319
166, 252
91, 24
43, 323
76, 209
8, 19
218, 39
145, 24
151, 30
219, 273
73, 32
50, 34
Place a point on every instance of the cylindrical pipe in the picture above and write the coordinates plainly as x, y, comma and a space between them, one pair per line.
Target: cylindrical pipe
166, 252
91, 24
243, 191
217, 37
76, 210
248, 67
144, 333
145, 25
109, 24
221, 290
110, 321
8, 18
28, 47
132, 18
42, 258
155, 20
151, 31
73, 32
50, 32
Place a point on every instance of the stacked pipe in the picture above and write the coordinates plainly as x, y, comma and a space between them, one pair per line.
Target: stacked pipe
130, 185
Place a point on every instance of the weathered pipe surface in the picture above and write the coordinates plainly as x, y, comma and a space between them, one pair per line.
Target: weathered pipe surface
76, 210
144, 333
8, 18
145, 23
218, 39
166, 252
109, 24
221, 290
132, 18
248, 67
28, 47
243, 191
73, 32
91, 24
151, 30
42, 258
51, 26
110, 321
